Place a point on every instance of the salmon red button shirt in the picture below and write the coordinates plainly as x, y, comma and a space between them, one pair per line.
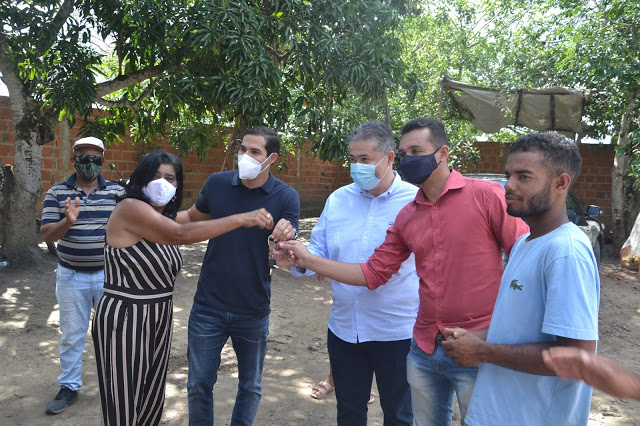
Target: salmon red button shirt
457, 242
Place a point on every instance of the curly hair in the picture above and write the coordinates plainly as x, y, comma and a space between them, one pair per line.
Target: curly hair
146, 171
560, 155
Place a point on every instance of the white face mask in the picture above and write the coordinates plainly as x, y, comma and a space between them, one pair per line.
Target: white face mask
159, 192
248, 167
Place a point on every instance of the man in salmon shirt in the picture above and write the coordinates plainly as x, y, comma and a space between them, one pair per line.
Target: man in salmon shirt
457, 228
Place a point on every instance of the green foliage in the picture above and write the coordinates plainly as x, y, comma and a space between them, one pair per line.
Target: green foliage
455, 37
586, 45
187, 70
634, 166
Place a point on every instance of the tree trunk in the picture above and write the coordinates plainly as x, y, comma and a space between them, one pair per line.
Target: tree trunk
622, 197
387, 111
231, 150
22, 187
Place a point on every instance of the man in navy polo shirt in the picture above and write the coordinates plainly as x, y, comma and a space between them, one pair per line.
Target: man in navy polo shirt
234, 289
75, 214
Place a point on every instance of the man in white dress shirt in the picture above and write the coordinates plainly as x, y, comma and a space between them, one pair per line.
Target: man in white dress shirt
369, 330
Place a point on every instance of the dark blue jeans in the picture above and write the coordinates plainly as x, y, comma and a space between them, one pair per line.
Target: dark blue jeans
353, 365
209, 330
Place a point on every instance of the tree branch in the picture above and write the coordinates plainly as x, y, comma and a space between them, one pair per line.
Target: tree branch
61, 17
15, 86
123, 81
126, 102
56, 23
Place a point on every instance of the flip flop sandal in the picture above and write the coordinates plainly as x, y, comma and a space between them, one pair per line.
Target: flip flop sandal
321, 390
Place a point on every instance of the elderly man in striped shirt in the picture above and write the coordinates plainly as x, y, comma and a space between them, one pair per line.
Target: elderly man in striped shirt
75, 214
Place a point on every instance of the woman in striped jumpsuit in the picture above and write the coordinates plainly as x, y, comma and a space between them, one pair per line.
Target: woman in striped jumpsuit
132, 326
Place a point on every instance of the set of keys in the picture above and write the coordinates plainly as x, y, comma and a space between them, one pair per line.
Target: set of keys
272, 260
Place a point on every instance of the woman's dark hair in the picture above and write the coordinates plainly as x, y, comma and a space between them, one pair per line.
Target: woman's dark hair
146, 171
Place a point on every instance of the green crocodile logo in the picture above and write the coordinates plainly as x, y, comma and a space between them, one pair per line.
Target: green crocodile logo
515, 286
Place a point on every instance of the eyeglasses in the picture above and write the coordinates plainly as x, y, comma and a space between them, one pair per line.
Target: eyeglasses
86, 159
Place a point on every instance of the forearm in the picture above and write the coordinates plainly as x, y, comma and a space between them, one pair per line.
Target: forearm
52, 232
194, 232
183, 217
348, 273
525, 357
610, 377
528, 357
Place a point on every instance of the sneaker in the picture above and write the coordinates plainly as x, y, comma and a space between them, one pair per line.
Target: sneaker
63, 399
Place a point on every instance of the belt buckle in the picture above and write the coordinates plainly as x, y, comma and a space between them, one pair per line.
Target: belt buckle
439, 338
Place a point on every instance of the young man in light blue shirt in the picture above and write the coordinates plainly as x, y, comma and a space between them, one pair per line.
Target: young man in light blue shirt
369, 330
549, 297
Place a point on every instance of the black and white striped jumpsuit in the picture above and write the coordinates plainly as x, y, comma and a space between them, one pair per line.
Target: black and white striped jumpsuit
132, 330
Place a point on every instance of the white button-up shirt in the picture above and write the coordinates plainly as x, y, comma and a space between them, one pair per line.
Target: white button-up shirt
351, 226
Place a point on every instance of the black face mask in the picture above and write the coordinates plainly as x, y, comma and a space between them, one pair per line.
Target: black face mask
416, 169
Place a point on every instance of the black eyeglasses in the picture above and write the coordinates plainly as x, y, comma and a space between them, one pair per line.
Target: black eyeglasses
86, 159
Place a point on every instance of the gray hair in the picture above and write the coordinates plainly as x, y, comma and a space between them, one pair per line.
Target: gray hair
375, 130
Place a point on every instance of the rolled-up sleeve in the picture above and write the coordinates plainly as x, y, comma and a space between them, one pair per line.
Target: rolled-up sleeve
386, 260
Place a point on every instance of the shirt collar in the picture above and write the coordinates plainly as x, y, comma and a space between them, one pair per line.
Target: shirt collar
71, 182
454, 181
267, 187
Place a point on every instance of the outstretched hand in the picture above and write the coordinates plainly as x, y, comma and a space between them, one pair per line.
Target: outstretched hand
260, 217
282, 257
295, 251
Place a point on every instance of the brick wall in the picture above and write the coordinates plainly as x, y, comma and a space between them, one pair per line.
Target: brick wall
316, 179
593, 185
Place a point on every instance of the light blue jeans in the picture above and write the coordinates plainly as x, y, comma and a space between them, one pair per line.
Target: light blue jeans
433, 379
77, 292
208, 331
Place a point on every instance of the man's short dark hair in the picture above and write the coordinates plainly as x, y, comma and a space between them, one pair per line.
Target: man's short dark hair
146, 171
378, 131
560, 155
272, 138
435, 126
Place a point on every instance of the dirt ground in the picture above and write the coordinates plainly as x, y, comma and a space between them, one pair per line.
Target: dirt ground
296, 358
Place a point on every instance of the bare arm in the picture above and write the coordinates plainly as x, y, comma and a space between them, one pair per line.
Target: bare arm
133, 220
598, 371
348, 273
466, 349
52, 232
192, 215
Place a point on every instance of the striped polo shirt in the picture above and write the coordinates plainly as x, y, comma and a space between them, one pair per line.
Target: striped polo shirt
82, 248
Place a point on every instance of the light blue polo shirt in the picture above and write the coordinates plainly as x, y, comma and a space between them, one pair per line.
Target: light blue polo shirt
550, 288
